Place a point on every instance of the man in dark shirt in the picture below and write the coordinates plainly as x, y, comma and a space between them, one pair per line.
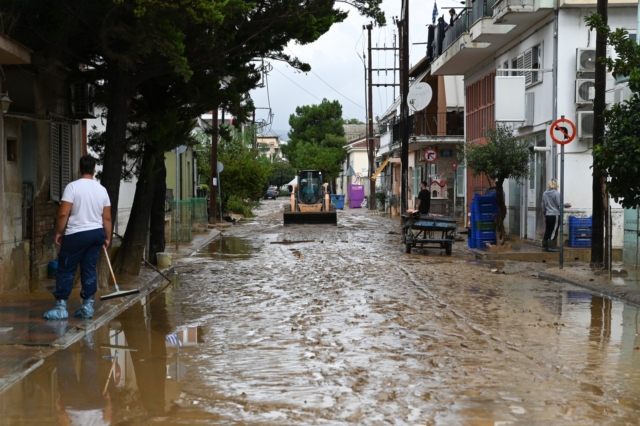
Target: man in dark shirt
424, 198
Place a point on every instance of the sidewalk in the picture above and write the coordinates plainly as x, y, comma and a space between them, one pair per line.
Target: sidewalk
26, 338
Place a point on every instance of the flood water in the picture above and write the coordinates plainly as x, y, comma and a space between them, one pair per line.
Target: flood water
336, 325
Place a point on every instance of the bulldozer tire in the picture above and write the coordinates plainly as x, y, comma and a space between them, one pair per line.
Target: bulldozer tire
287, 208
332, 207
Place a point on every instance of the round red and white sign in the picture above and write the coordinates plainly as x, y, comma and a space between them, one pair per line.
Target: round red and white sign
430, 155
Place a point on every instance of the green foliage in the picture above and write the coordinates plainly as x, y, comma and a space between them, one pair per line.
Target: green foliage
239, 206
244, 176
281, 173
381, 198
502, 156
353, 121
317, 139
619, 154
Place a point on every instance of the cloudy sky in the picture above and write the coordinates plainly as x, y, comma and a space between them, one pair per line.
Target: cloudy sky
337, 66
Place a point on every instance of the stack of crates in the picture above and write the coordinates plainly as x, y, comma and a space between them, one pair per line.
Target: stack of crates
483, 226
580, 231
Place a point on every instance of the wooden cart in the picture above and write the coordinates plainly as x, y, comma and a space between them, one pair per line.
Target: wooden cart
428, 230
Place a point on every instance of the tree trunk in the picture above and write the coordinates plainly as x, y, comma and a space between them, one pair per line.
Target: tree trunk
115, 134
502, 213
156, 225
597, 206
135, 238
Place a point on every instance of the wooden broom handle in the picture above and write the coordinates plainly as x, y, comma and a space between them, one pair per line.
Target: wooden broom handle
109, 263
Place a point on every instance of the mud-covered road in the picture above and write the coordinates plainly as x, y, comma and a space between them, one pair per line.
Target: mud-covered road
337, 325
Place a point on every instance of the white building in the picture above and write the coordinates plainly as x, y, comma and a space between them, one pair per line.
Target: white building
511, 34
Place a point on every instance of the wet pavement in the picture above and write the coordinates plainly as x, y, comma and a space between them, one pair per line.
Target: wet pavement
336, 325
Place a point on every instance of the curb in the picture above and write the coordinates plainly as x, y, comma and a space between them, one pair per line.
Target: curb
208, 241
619, 293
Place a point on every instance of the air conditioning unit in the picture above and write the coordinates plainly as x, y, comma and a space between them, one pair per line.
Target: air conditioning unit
82, 95
585, 60
585, 91
585, 124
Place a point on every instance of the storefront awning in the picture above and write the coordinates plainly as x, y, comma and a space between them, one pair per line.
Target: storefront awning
382, 166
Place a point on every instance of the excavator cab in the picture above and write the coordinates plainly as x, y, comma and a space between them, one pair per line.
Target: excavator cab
310, 201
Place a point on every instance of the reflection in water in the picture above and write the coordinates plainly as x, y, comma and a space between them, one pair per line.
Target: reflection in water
228, 248
80, 400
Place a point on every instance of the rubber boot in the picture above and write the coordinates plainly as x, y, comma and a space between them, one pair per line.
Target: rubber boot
553, 246
545, 245
86, 310
59, 312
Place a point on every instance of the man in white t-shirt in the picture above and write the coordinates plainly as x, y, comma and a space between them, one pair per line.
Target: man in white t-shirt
85, 212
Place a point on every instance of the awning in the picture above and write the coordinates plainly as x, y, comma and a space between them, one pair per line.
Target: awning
382, 166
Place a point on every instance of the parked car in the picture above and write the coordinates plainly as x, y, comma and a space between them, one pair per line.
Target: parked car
271, 193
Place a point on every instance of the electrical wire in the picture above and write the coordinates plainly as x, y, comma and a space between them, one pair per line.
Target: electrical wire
331, 87
298, 85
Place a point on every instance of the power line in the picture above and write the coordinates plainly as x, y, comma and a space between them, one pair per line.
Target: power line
297, 84
331, 87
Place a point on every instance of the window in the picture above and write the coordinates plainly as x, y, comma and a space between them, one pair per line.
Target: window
12, 150
514, 65
60, 160
460, 181
416, 176
536, 63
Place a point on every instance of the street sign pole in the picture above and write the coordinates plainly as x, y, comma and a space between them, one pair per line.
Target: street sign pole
561, 253
568, 130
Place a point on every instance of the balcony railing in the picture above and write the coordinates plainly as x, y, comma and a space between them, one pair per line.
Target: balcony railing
426, 124
479, 9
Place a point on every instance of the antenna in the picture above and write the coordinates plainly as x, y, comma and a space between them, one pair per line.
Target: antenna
419, 96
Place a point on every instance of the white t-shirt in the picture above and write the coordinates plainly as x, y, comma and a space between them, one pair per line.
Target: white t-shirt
89, 199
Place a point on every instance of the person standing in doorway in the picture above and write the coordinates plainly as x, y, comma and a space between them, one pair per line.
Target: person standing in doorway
83, 227
424, 198
551, 211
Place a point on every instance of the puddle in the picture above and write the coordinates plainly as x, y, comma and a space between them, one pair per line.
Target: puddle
228, 248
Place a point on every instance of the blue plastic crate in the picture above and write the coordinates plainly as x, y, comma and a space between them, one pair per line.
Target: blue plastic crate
478, 198
481, 217
485, 208
471, 242
483, 235
580, 221
580, 242
580, 233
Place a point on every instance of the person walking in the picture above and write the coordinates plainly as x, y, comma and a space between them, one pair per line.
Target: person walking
82, 228
551, 212
424, 198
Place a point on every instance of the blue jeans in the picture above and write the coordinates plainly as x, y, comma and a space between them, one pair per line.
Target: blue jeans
81, 248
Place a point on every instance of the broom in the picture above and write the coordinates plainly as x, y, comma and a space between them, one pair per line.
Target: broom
118, 293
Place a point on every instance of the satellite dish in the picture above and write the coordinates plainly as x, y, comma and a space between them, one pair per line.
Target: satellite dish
419, 96
587, 60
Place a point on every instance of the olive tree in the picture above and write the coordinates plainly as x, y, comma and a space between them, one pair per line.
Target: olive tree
500, 156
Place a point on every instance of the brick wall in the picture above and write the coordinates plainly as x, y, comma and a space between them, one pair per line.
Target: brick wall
45, 217
480, 97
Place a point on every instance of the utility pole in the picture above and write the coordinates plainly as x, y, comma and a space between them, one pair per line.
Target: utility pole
597, 186
370, 138
213, 194
404, 113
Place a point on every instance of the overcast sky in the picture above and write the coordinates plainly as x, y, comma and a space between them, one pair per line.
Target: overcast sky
337, 67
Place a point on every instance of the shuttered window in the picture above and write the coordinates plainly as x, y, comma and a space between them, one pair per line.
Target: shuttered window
60, 159
527, 65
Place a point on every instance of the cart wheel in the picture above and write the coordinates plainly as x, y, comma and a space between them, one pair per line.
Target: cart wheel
448, 247
407, 248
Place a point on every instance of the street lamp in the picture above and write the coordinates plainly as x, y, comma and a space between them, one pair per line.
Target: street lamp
5, 102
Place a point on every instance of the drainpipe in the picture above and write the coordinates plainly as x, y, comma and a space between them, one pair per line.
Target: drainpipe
554, 113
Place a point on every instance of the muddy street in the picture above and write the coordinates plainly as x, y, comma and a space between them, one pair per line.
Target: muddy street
337, 325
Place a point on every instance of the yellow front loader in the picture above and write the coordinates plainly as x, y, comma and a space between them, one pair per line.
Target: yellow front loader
310, 201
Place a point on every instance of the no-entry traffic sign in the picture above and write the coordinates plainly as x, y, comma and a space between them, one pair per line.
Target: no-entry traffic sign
430, 155
562, 131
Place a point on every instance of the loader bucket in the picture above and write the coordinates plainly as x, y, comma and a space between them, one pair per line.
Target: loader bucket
310, 218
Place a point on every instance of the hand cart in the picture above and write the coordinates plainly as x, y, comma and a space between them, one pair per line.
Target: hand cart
428, 230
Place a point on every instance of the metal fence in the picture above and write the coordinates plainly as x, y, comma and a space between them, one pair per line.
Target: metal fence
183, 216
199, 210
